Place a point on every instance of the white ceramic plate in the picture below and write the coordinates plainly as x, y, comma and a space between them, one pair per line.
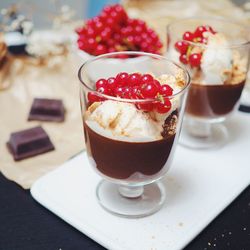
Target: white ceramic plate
199, 186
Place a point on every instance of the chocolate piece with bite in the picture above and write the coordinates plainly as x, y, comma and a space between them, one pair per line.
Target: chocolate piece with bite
29, 142
43, 109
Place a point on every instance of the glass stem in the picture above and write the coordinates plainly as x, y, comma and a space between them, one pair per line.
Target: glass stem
130, 192
199, 128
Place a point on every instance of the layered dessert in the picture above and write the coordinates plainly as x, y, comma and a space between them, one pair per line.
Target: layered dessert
130, 134
218, 72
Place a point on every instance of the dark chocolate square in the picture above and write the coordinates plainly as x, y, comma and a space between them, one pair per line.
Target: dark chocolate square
29, 142
44, 109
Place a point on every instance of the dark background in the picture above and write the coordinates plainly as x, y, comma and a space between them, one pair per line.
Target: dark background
26, 225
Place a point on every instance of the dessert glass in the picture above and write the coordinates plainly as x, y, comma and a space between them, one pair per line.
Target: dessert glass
217, 84
131, 166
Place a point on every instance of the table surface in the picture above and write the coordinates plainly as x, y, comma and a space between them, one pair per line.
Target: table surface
24, 224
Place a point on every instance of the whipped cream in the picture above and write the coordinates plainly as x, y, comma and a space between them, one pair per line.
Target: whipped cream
217, 62
123, 121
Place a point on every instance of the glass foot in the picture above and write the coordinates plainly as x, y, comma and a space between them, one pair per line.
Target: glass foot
208, 137
131, 202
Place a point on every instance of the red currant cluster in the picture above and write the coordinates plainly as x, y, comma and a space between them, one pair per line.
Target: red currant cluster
185, 48
113, 31
135, 86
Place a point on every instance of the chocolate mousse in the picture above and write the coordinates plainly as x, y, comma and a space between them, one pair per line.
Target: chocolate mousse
123, 159
210, 101
219, 98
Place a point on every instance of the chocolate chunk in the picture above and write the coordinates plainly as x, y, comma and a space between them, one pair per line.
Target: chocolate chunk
47, 110
169, 127
29, 142
244, 108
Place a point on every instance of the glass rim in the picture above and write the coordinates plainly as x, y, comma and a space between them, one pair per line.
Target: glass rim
217, 19
107, 55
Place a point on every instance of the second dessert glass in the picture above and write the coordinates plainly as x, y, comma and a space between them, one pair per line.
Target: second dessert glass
216, 53
129, 144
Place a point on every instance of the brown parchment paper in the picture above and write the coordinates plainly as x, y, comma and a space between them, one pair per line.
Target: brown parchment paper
29, 81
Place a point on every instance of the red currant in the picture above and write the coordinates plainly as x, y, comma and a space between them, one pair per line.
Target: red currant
134, 79
149, 90
101, 49
81, 45
107, 9
144, 35
103, 16
126, 93
89, 23
110, 22
122, 79
138, 29
111, 50
130, 40
195, 59
154, 36
144, 46
199, 31
92, 97
181, 46
142, 24
122, 16
111, 83
137, 40
104, 90
146, 78
91, 43
99, 26
188, 36
101, 83
204, 40
159, 44
111, 43
163, 107
166, 90
91, 32
148, 106
118, 91
183, 58
106, 34
157, 83
135, 92
114, 16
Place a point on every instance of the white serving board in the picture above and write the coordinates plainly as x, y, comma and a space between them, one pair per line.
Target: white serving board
199, 186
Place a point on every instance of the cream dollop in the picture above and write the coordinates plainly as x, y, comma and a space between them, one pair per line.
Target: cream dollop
217, 60
123, 121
